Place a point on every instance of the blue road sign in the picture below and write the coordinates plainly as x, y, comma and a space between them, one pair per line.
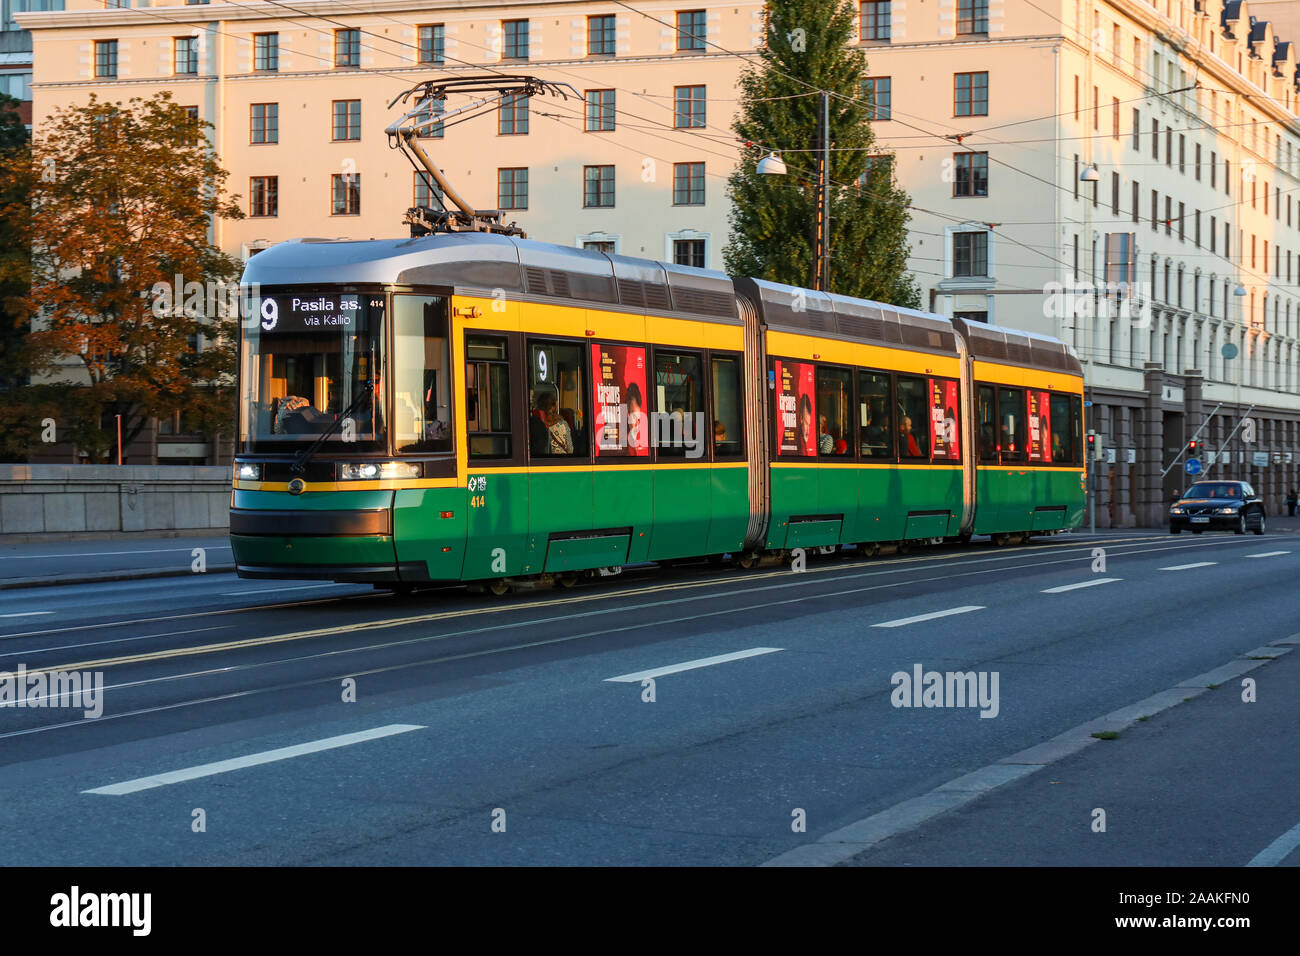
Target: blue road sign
1192, 466
1087, 404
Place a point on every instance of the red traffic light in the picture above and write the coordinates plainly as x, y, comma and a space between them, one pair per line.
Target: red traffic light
1192, 446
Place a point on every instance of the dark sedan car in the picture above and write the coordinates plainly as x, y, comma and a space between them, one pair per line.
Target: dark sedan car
1218, 506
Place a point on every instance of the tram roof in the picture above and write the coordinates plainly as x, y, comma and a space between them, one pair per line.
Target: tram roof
482, 263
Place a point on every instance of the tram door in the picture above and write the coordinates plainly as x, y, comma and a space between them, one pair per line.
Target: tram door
496, 480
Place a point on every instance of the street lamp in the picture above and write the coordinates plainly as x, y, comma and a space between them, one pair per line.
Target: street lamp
1090, 174
772, 165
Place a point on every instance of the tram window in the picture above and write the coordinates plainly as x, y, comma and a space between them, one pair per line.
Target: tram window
1038, 445
487, 396
987, 415
1065, 429
679, 404
421, 374
834, 424
795, 411
621, 425
557, 424
727, 436
944, 431
913, 419
1011, 424
874, 416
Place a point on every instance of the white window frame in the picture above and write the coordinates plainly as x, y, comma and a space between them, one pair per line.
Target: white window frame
671, 237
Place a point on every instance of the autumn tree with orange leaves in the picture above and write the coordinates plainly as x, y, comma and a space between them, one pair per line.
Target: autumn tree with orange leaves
123, 197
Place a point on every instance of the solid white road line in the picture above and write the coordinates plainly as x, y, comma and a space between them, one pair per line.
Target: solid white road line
692, 665
251, 760
298, 587
1279, 849
931, 616
1082, 584
1267, 554
27, 614
1188, 567
100, 554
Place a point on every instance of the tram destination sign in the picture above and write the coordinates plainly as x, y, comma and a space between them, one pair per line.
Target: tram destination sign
310, 312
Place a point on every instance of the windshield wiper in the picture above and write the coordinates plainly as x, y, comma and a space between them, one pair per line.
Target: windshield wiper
300, 462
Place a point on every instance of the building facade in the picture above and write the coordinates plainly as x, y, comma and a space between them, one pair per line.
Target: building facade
1122, 174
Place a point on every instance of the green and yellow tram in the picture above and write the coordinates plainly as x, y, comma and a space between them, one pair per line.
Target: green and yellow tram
486, 408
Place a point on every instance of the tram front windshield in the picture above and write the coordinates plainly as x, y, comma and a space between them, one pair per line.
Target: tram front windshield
311, 362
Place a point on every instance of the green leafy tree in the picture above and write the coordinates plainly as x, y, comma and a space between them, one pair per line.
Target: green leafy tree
773, 218
121, 199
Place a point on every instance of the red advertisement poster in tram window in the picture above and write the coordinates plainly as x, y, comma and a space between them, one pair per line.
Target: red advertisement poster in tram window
1040, 426
618, 387
944, 433
796, 408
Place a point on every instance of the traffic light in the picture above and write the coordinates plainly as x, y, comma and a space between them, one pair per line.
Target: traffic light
1193, 447
1094, 445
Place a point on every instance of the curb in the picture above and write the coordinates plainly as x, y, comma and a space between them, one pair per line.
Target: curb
843, 844
106, 576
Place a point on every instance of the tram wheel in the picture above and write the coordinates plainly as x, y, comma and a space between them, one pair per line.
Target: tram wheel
748, 560
498, 587
567, 580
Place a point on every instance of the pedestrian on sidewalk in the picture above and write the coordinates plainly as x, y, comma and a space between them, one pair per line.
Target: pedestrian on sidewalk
1291, 501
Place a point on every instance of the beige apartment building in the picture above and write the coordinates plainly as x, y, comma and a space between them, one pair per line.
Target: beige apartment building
1148, 152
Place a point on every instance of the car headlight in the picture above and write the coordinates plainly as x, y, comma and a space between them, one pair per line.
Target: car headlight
372, 470
1175, 510
1230, 510
248, 471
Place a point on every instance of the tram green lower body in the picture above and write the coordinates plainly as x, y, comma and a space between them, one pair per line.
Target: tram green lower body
517, 524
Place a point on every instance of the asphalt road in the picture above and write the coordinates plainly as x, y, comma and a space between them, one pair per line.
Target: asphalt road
516, 730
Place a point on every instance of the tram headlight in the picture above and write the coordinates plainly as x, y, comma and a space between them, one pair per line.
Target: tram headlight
373, 470
248, 471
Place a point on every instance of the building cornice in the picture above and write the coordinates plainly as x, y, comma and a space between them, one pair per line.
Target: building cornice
302, 9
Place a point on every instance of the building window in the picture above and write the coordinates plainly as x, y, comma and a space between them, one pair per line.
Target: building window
1136, 201
882, 162
514, 39
600, 35
600, 245
345, 190
1137, 130
432, 43
689, 252
264, 123
263, 196
600, 111
688, 112
690, 29
427, 193
877, 91
1121, 261
266, 52
972, 17
512, 116
972, 94
597, 186
106, 59
873, 20
1114, 194
1114, 118
512, 188
688, 184
191, 111
347, 120
972, 174
347, 47
970, 254
427, 123
185, 55
972, 317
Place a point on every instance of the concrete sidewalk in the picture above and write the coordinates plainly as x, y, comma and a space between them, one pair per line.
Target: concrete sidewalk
110, 558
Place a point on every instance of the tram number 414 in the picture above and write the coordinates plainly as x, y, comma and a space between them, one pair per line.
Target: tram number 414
477, 501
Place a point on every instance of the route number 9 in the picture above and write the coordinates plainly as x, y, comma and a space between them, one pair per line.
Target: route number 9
541, 365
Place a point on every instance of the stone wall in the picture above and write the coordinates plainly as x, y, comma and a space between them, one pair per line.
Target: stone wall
64, 499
